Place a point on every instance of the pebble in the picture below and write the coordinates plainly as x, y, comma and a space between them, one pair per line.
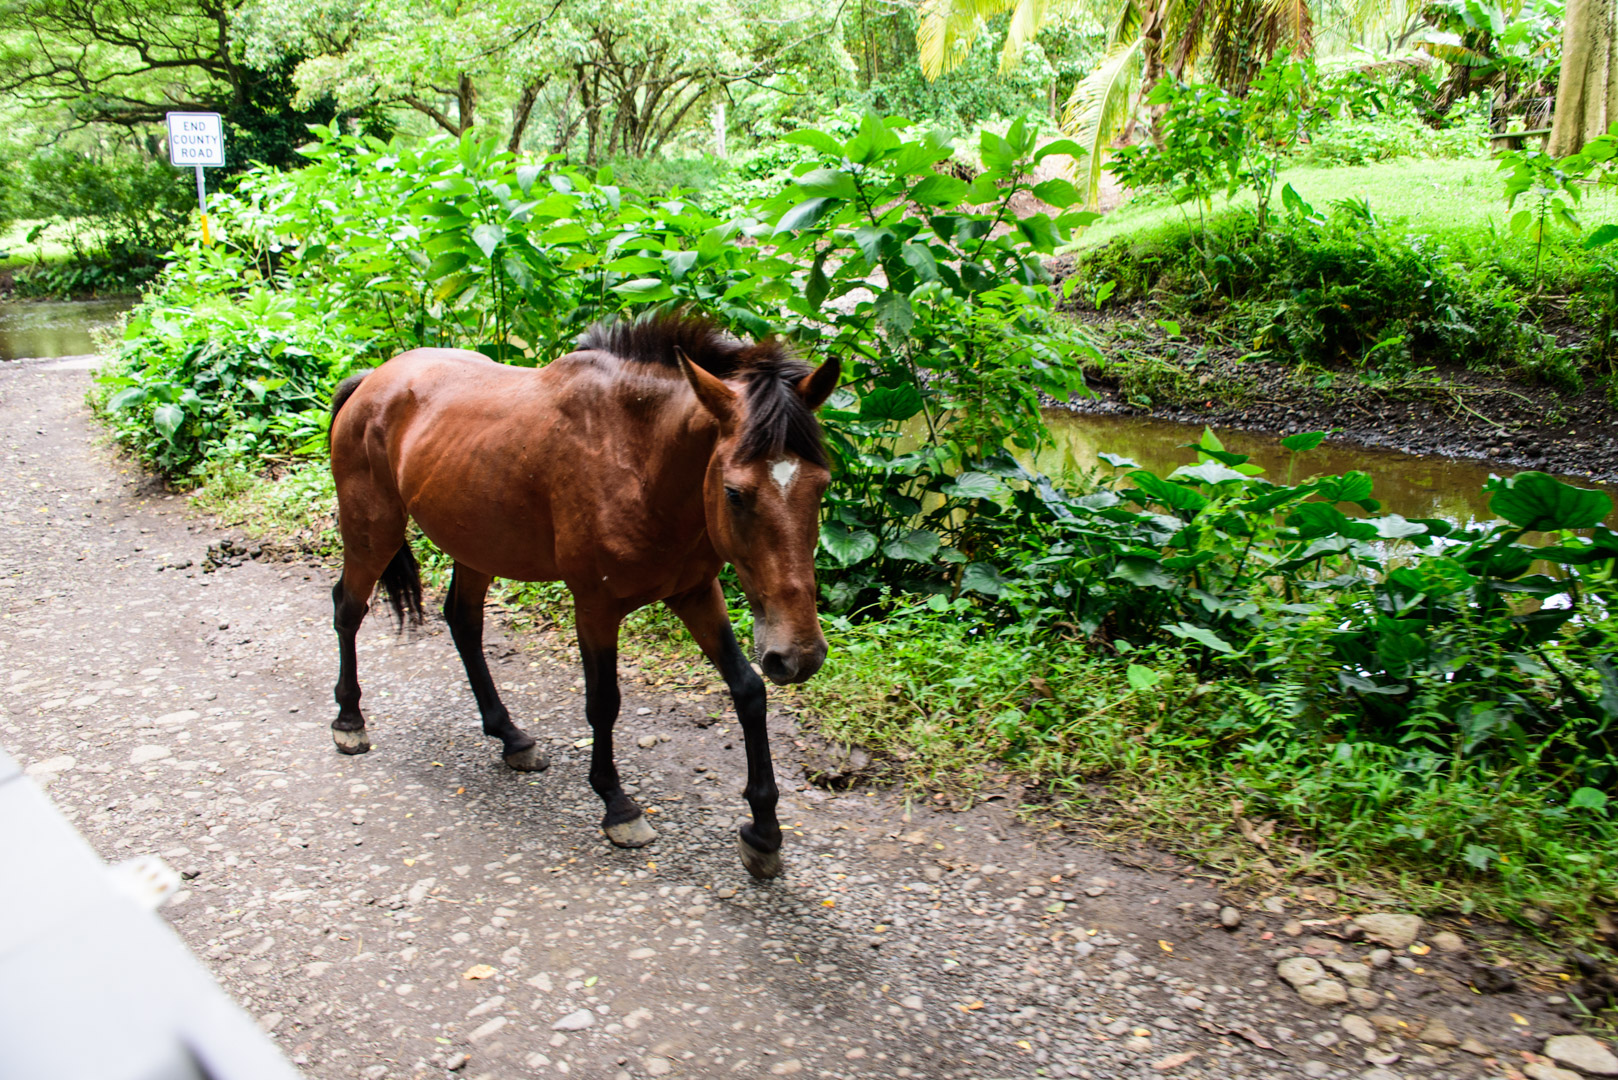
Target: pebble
657, 1066
1324, 993
1365, 999
61, 763
1229, 917
1437, 1033
1380, 958
1394, 931
1538, 1070
1446, 941
1359, 1027
1476, 1047
1582, 1053
646, 742
1380, 1074
1300, 971
1358, 975
142, 754
575, 1021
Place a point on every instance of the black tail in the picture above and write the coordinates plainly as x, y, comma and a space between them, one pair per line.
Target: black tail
340, 396
401, 582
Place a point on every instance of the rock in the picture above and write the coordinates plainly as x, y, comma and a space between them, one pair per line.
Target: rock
575, 1021
1358, 975
658, 1066
1582, 1053
1300, 971
1437, 1033
1538, 1070
1447, 942
1473, 1046
1359, 1027
1314, 1068
1380, 958
1388, 1023
1394, 931
458, 1062
1229, 918
1365, 999
646, 742
61, 763
142, 754
1493, 980
1324, 993
1380, 1073
488, 1028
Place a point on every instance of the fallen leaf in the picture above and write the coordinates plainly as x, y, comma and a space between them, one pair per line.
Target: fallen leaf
971, 1006
580, 744
1165, 946
1248, 1033
1421, 950
592, 980
1174, 1061
478, 971
828, 902
1518, 1018
1055, 908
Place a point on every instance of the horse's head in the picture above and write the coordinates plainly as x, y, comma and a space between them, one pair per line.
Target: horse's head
762, 495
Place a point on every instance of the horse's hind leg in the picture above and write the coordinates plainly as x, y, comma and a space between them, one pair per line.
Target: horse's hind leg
350, 601
703, 612
463, 610
624, 823
373, 550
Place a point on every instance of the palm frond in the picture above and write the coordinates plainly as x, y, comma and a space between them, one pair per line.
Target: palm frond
1026, 20
1294, 24
947, 30
1098, 109
1125, 24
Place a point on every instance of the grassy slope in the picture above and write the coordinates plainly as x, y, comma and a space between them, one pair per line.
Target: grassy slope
1455, 201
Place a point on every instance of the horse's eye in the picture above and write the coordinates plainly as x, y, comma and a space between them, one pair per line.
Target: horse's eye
733, 496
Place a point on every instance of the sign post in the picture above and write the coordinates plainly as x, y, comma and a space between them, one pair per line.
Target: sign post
198, 140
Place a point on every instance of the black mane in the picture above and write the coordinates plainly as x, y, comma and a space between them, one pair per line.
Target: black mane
777, 421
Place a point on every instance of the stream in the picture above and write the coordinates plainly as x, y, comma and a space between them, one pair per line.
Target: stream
1407, 484
51, 329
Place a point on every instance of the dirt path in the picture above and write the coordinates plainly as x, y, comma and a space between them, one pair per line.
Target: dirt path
422, 911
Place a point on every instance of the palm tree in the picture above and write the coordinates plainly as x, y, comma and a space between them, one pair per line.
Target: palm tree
1227, 41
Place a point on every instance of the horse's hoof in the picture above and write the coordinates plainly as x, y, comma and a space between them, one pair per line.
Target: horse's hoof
763, 865
533, 759
351, 742
637, 832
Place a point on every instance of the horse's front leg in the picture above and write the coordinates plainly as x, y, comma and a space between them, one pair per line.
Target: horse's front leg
703, 612
624, 823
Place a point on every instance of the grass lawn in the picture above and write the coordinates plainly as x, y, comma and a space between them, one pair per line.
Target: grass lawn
16, 250
1450, 200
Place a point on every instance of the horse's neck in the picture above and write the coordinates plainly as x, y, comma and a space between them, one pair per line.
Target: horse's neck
676, 442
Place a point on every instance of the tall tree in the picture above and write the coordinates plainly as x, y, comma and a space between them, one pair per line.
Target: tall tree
1587, 93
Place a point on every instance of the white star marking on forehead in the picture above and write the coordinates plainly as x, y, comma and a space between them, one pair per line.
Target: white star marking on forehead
783, 472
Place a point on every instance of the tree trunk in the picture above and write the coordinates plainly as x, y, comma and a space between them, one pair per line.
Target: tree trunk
1587, 94
521, 112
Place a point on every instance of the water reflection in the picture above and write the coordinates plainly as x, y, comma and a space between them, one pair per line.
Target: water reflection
53, 328
1415, 487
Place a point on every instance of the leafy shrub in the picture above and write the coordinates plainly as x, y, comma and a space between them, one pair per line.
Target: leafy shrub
1395, 134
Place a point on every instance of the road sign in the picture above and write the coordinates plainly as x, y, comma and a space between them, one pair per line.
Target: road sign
197, 139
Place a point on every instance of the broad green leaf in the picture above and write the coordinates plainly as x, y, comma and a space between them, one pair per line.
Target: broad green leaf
487, 238
1187, 632
1587, 798
1144, 572
1352, 486
847, 546
1209, 472
918, 545
1059, 146
1141, 678
133, 395
644, 290
1600, 236
919, 257
1058, 192
973, 485
803, 215
938, 190
818, 140
828, 183
1154, 488
1395, 527
871, 240
894, 403
1537, 502
167, 419
1118, 461
1303, 440
447, 263
980, 577
893, 311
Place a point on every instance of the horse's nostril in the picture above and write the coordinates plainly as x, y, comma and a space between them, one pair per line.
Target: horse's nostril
778, 665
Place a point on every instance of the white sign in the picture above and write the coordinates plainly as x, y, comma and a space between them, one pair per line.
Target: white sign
196, 139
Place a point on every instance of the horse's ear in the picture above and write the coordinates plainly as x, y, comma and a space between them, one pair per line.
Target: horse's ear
818, 385
716, 397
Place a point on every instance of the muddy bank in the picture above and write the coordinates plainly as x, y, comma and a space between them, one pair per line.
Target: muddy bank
1448, 410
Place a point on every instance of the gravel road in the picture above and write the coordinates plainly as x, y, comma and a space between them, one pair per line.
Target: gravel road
423, 911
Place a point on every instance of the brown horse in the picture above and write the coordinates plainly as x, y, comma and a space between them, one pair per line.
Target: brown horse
632, 470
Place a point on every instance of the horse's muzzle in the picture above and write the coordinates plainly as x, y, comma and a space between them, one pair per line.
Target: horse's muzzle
793, 664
